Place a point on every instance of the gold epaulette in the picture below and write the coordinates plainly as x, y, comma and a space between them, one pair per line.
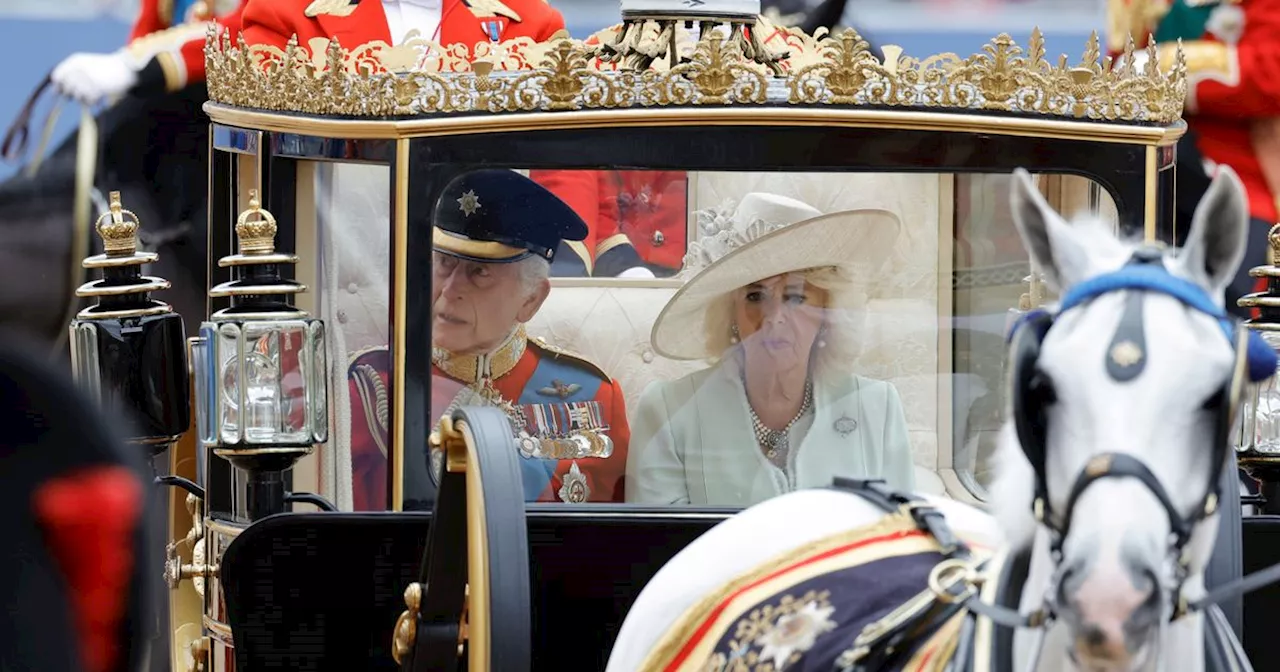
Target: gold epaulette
559, 353
329, 8
490, 8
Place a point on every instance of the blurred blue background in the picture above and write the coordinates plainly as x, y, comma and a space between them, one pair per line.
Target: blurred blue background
36, 34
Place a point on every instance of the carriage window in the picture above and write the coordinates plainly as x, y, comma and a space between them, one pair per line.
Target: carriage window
348, 246
994, 282
816, 325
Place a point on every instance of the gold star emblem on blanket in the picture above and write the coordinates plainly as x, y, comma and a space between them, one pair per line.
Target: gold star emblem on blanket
796, 632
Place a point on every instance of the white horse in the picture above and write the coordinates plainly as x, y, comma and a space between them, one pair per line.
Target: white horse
1116, 581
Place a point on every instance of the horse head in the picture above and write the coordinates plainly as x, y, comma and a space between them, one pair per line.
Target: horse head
1121, 404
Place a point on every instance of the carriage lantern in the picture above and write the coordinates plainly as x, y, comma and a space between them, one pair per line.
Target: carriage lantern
1259, 425
260, 368
129, 350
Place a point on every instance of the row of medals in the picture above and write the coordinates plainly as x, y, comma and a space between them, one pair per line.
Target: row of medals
579, 444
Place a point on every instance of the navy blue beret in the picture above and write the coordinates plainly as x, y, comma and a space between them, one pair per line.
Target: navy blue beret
501, 216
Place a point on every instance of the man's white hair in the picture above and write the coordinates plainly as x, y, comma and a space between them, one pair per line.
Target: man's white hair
532, 271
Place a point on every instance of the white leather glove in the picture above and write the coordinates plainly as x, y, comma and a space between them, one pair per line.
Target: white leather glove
91, 78
637, 272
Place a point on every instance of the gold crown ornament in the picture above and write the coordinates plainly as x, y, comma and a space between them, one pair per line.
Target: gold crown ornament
422, 77
256, 228
119, 235
122, 291
257, 264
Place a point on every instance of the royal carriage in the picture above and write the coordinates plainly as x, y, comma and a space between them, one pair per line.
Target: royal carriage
311, 379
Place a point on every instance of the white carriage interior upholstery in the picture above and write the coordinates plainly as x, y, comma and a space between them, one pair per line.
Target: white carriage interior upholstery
610, 324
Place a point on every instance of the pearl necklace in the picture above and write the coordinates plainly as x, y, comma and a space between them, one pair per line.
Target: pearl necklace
775, 441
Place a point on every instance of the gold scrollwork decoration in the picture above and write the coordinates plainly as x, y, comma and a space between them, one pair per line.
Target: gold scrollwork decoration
421, 77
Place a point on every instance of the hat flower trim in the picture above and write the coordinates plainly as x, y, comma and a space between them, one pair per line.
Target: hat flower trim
720, 234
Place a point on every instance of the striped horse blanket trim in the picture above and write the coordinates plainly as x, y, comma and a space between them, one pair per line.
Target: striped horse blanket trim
801, 610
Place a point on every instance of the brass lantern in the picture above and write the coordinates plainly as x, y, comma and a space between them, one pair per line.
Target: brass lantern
128, 349
1258, 425
260, 367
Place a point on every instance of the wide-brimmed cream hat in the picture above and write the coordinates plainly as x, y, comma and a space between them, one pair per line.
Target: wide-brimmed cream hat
763, 236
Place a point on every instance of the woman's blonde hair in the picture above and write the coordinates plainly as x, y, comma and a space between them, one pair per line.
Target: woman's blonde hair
842, 317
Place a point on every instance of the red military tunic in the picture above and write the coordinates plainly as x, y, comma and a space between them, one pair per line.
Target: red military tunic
1233, 98
540, 376
275, 21
635, 217
176, 43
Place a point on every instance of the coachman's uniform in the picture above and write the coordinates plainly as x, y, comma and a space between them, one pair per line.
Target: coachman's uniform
569, 416
1232, 50
169, 36
635, 218
357, 22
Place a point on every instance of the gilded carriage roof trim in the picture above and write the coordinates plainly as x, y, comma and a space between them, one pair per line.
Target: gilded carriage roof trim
911, 120
421, 78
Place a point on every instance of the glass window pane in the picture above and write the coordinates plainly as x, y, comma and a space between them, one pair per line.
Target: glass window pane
995, 283
819, 325
350, 281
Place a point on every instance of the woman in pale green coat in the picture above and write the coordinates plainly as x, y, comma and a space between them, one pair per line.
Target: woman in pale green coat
770, 298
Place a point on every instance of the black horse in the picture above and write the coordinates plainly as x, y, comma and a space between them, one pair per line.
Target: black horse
154, 151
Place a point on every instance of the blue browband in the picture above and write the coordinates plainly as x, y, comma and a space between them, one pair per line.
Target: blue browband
1261, 357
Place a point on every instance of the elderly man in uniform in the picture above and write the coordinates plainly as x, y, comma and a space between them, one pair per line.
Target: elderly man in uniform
1232, 50
165, 52
495, 235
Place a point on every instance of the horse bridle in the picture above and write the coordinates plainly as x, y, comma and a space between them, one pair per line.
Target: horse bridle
1032, 394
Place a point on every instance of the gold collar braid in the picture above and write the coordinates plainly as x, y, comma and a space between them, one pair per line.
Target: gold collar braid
472, 369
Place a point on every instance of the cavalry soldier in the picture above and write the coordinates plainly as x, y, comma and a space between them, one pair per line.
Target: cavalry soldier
165, 52
495, 235
1232, 50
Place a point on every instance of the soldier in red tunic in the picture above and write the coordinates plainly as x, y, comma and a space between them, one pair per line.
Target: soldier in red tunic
165, 52
1232, 50
357, 22
637, 219
495, 236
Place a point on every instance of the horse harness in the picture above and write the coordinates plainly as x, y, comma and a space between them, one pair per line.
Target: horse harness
961, 582
988, 592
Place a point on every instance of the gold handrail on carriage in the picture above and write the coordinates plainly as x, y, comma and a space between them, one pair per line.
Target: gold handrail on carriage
449, 437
